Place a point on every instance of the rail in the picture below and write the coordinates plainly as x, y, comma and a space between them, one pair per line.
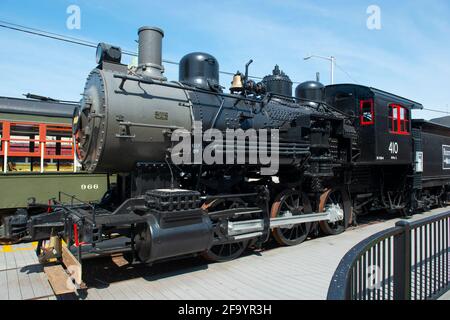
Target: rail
33, 140
406, 262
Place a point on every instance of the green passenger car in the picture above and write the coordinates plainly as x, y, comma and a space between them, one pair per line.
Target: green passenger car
37, 156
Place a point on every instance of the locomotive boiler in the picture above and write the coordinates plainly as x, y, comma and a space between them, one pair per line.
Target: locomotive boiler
134, 113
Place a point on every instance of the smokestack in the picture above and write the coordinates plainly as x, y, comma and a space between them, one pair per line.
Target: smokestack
318, 76
150, 52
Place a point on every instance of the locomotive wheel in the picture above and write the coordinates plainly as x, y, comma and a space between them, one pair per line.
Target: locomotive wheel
291, 203
339, 199
227, 251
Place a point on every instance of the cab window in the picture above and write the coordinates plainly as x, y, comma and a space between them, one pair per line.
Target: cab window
366, 113
399, 121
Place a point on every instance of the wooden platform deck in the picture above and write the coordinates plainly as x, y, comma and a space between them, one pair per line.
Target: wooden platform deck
300, 272
21, 275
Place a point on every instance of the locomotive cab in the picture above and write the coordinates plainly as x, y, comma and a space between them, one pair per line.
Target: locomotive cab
383, 122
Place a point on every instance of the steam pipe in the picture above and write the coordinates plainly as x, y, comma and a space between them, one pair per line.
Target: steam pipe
246, 68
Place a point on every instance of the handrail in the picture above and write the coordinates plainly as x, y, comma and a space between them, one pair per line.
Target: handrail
408, 261
92, 205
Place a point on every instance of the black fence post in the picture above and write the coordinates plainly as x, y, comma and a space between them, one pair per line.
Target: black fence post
348, 288
402, 262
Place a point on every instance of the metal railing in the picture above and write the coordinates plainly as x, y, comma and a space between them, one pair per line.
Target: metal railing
34, 140
407, 262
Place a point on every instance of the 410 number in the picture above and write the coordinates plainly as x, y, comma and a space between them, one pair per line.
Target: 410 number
393, 147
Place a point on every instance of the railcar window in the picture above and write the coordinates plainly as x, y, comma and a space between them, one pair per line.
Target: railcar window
399, 120
367, 114
32, 146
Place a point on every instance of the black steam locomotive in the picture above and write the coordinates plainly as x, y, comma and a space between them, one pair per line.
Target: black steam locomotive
341, 151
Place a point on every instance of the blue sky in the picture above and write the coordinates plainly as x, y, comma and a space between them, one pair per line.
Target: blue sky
409, 56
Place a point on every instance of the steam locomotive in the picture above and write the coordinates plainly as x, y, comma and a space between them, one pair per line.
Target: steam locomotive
341, 150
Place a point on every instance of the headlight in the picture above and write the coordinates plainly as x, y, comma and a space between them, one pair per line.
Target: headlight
108, 53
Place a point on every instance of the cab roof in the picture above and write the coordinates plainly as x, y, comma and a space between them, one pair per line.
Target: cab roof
411, 103
36, 107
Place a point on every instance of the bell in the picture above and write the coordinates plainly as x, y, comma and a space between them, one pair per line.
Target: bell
236, 84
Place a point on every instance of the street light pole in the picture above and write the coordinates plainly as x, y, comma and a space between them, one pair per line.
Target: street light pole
331, 59
332, 69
